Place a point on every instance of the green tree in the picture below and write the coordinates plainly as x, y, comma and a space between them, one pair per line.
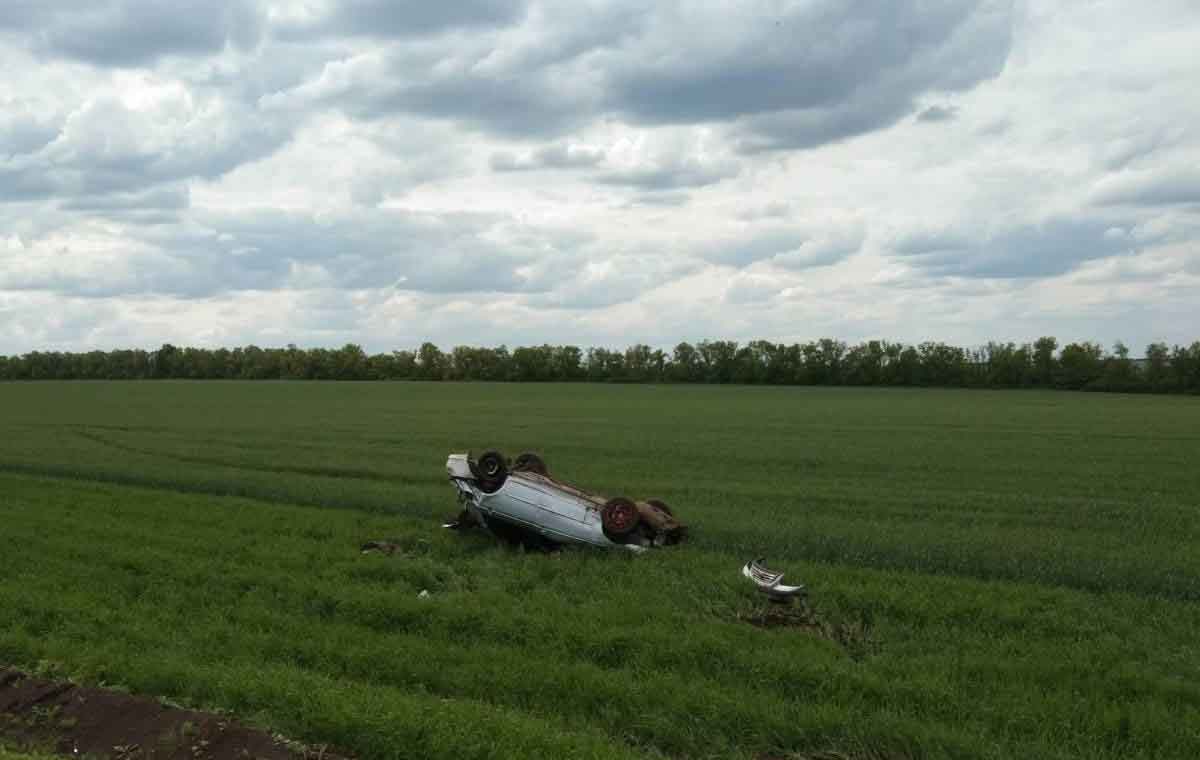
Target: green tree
863, 364
568, 363
908, 367
686, 365
350, 363
1157, 370
163, 361
1044, 363
431, 362
717, 358
639, 363
1185, 368
1007, 366
1080, 365
1120, 373
533, 363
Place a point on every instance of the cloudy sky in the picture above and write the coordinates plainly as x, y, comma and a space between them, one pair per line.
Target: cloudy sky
225, 172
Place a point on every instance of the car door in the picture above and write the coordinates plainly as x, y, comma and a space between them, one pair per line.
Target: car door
562, 505
518, 501
561, 514
538, 504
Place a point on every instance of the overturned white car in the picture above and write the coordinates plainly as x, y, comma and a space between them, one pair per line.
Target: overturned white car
520, 502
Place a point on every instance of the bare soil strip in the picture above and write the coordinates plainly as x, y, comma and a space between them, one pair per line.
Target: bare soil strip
75, 720
855, 637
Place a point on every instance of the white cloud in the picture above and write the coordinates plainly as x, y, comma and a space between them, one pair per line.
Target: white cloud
611, 172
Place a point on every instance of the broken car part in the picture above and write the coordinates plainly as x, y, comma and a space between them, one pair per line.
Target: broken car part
770, 582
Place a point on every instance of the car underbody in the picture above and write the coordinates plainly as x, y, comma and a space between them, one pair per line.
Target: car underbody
520, 502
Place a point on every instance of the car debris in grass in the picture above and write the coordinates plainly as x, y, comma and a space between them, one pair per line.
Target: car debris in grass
771, 583
382, 547
522, 503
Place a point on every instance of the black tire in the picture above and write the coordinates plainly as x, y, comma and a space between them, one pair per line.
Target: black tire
619, 517
491, 470
661, 505
530, 462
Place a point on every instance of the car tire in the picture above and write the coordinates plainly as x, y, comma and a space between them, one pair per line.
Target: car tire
530, 462
619, 517
491, 470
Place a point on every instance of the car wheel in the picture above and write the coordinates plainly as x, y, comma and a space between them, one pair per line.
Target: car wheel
492, 471
619, 517
530, 462
660, 504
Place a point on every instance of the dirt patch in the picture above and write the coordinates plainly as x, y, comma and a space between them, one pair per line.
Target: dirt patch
866, 754
382, 547
854, 636
75, 720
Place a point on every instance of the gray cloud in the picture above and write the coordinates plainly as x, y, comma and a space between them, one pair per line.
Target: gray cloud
672, 170
659, 198
1044, 249
22, 133
771, 210
808, 57
596, 283
802, 77
671, 174
787, 247
175, 198
554, 156
518, 103
385, 18
133, 272
19, 184
1151, 189
269, 250
133, 32
936, 113
811, 128
821, 72
746, 249
824, 249
747, 289
1129, 148
160, 205
931, 242
22, 14
105, 147
426, 252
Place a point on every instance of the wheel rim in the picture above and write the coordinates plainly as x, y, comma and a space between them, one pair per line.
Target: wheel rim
621, 517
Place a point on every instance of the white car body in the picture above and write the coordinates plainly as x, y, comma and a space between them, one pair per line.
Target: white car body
537, 504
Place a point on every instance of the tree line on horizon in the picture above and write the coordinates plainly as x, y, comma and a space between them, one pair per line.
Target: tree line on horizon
1041, 364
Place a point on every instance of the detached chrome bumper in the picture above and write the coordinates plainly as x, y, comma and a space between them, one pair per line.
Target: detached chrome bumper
770, 582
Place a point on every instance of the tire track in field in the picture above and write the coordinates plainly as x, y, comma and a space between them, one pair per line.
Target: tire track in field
1181, 587
1180, 584
312, 470
224, 488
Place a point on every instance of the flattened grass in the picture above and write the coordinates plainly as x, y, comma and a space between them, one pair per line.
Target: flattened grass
1020, 568
12, 753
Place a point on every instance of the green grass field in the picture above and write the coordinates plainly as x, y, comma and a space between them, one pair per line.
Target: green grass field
21, 754
1016, 574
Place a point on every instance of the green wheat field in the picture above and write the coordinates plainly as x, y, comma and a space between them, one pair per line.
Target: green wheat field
992, 574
